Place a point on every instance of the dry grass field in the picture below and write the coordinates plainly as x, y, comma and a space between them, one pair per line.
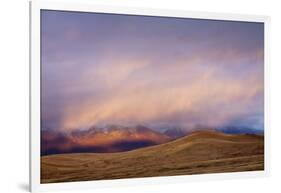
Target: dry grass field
198, 153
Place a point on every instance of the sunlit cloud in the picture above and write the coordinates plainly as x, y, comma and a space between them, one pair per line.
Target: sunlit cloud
102, 69
207, 100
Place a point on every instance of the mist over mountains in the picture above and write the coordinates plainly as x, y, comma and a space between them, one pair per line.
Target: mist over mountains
117, 138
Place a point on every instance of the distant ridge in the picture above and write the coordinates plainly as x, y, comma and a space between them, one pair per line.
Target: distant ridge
175, 133
240, 130
112, 138
118, 138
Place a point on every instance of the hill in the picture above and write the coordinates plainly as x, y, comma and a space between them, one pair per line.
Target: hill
198, 153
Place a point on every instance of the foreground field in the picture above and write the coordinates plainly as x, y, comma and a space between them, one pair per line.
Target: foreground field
198, 153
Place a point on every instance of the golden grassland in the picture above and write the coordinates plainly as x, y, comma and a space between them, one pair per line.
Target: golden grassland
198, 153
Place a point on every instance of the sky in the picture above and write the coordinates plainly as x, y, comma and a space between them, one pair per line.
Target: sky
100, 69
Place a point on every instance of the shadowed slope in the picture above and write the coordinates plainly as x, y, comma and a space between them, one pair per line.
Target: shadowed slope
200, 152
105, 140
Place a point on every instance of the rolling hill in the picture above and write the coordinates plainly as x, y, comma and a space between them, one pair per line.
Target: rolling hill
198, 153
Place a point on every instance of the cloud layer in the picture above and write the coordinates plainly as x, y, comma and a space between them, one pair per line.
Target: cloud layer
112, 69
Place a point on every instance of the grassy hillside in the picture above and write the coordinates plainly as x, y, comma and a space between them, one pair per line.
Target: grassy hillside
198, 153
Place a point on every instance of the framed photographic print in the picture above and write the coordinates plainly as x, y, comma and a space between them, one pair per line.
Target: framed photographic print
123, 96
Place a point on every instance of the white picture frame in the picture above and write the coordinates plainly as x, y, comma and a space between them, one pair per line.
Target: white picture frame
81, 6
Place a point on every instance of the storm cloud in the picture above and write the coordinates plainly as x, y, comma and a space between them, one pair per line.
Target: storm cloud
118, 69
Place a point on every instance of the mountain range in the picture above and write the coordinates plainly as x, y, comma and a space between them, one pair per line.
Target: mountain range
115, 138
109, 139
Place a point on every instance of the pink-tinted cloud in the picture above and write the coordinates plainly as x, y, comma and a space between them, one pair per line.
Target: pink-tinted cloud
104, 69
